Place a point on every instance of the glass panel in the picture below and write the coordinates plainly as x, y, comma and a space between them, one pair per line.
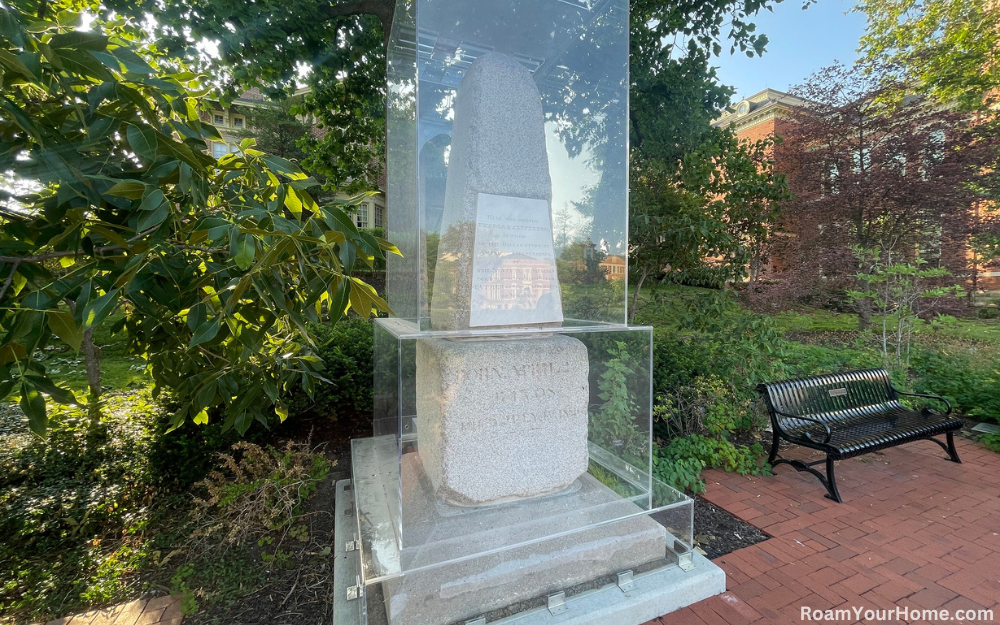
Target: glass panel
513, 404
405, 279
478, 448
551, 220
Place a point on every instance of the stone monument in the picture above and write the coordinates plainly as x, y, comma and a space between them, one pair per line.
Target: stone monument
483, 403
496, 262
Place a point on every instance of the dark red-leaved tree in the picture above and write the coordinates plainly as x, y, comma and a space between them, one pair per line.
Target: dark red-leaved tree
869, 168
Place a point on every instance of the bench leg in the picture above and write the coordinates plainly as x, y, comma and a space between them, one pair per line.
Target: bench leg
774, 448
950, 447
829, 480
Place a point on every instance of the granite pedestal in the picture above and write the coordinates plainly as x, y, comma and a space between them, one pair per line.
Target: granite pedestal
502, 419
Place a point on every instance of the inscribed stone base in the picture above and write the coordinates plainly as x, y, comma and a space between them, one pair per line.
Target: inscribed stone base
502, 419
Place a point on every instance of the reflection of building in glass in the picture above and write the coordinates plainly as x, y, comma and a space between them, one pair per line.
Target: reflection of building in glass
614, 267
519, 282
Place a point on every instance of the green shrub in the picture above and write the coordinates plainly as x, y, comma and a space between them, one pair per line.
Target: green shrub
186, 455
346, 350
802, 360
700, 420
988, 312
707, 406
992, 441
707, 332
681, 462
614, 425
71, 505
973, 388
677, 360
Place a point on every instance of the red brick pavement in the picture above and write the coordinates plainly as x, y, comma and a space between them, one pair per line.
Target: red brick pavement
914, 531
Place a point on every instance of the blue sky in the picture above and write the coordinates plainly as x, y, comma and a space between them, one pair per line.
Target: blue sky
801, 42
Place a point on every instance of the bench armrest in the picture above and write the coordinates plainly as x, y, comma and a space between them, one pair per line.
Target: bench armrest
925, 396
808, 435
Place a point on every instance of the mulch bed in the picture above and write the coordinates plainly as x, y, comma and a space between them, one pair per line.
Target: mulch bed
302, 594
717, 532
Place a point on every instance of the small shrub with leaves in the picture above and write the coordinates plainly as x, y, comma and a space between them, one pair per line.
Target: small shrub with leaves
73, 506
346, 351
613, 424
707, 406
681, 461
259, 490
973, 387
697, 421
988, 312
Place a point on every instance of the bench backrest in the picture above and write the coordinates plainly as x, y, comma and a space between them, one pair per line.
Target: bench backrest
830, 397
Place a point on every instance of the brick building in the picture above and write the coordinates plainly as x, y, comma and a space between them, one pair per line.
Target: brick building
768, 113
762, 115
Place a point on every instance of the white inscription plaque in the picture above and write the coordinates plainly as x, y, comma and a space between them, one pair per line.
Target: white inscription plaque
514, 279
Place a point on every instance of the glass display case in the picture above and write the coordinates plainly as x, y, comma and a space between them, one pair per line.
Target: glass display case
512, 447
512, 462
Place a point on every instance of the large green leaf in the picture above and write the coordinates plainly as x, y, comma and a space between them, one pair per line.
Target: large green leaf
99, 309
205, 332
245, 251
151, 219
131, 189
33, 405
47, 386
61, 322
142, 138
79, 40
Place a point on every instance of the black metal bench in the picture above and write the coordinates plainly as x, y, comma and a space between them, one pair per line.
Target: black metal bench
849, 414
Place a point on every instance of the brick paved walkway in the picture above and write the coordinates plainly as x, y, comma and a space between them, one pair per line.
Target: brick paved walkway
914, 530
159, 611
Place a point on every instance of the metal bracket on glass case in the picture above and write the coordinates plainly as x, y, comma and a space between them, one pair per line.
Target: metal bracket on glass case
625, 582
354, 592
557, 603
351, 545
685, 559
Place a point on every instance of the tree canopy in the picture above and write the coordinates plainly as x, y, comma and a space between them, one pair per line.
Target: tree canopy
217, 266
870, 171
342, 43
947, 48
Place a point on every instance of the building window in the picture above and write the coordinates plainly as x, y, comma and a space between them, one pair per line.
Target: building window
237, 122
831, 180
219, 149
379, 216
934, 152
361, 217
233, 149
218, 119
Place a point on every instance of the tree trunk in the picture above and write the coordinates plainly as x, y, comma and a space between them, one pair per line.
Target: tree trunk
92, 362
635, 296
864, 314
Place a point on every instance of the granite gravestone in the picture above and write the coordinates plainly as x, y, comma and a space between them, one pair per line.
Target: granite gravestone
496, 264
506, 418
